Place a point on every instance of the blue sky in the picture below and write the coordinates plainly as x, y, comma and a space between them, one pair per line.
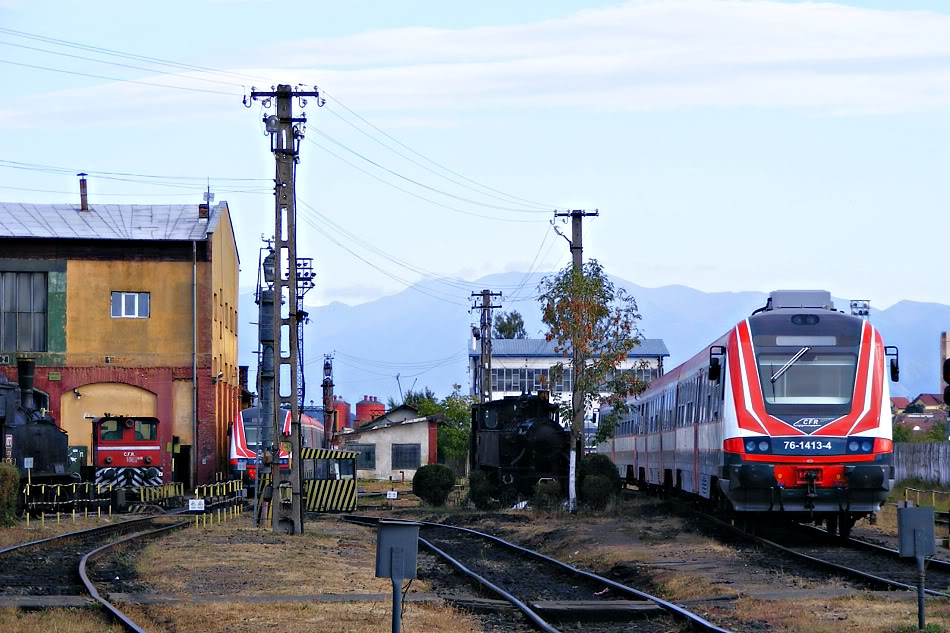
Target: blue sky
728, 145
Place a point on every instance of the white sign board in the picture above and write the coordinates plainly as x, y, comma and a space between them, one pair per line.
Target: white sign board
28, 462
242, 465
392, 494
196, 505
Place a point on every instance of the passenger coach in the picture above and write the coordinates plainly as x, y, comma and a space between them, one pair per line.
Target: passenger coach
788, 413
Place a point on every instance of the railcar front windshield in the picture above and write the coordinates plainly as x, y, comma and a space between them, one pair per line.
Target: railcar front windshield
807, 362
817, 378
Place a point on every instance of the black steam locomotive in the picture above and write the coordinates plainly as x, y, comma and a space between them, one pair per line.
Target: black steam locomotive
517, 441
30, 437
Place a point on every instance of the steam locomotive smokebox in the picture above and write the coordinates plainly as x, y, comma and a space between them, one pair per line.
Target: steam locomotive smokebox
118, 500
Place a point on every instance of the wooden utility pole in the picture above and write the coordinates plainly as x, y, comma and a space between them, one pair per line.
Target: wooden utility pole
577, 363
286, 132
484, 360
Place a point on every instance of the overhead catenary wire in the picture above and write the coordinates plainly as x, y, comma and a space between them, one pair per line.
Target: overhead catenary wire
94, 172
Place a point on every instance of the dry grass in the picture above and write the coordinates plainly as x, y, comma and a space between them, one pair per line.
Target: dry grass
835, 615
19, 533
330, 557
362, 617
236, 559
55, 621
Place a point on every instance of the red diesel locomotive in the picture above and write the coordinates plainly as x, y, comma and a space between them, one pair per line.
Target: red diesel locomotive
127, 451
788, 414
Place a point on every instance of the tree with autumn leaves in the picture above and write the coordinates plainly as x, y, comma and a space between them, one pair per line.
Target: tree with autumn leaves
594, 325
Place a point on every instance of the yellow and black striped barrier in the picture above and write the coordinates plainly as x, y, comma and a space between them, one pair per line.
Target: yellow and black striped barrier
328, 487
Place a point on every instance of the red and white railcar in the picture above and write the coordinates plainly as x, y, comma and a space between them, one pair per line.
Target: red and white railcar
788, 413
246, 434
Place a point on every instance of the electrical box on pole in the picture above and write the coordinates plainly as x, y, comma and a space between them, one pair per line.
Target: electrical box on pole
286, 133
917, 539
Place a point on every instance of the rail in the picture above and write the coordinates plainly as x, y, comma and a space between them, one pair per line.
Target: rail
675, 610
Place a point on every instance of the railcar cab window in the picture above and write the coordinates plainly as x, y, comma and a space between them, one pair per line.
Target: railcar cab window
110, 430
145, 430
807, 364
130, 305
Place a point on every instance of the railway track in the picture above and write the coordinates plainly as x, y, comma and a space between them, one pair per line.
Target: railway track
61, 566
548, 592
871, 563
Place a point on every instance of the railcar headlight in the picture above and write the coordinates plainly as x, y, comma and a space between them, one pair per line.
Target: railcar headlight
763, 446
108, 460
750, 446
148, 460
866, 446
852, 446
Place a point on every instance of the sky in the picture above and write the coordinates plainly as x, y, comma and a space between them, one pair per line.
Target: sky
728, 145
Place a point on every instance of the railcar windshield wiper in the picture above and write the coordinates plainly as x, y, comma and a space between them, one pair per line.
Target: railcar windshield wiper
791, 361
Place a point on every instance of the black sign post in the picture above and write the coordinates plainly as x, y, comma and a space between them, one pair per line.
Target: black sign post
917, 539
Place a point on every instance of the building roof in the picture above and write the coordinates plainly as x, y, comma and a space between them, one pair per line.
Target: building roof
930, 399
900, 402
538, 347
380, 423
108, 221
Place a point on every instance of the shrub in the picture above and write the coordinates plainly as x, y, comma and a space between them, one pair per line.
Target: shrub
9, 491
597, 466
547, 495
479, 490
432, 483
596, 491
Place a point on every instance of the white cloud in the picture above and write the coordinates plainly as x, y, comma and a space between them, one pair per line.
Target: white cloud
641, 56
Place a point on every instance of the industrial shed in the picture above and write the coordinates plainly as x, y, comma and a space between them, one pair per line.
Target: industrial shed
393, 447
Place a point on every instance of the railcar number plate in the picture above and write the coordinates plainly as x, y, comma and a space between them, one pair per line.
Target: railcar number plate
808, 446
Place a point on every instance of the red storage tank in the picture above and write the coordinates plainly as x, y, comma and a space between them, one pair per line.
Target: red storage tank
368, 409
342, 408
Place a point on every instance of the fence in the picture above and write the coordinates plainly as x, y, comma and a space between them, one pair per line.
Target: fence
926, 462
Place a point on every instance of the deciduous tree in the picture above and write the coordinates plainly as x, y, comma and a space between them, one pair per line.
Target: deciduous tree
509, 325
595, 325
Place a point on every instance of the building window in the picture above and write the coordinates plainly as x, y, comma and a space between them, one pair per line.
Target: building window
406, 456
366, 460
130, 305
23, 312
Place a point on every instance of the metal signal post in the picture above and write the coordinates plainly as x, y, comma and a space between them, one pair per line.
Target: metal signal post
484, 361
286, 132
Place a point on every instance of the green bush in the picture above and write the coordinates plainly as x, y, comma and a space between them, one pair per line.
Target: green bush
596, 491
479, 490
598, 466
9, 491
432, 483
547, 495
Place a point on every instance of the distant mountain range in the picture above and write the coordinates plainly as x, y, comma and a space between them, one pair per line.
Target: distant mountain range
424, 339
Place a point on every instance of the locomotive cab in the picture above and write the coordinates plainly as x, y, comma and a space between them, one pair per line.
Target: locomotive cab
127, 451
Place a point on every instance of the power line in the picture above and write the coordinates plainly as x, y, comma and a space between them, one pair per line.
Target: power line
103, 61
425, 186
130, 81
131, 195
72, 170
414, 194
241, 76
426, 158
540, 206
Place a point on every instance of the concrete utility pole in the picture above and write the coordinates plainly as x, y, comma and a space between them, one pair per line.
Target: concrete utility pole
266, 407
484, 360
577, 399
329, 412
286, 132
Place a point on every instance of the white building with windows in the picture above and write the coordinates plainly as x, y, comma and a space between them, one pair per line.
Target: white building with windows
524, 366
